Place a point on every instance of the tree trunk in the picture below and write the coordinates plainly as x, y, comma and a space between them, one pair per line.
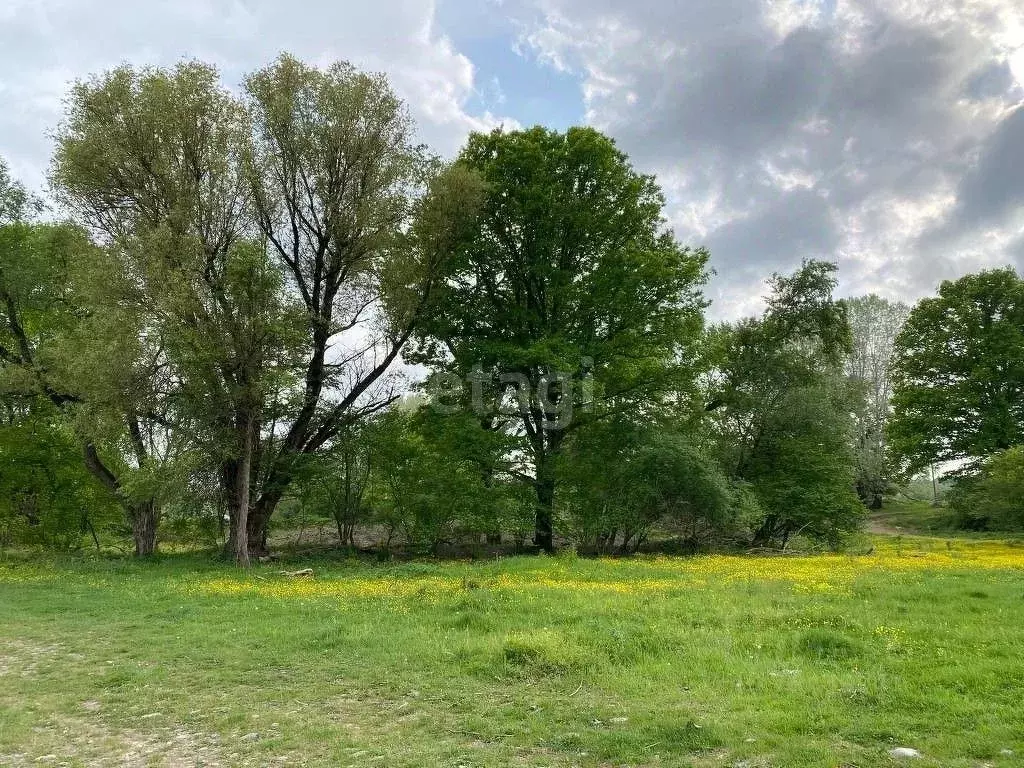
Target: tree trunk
144, 518
764, 535
259, 522
542, 532
241, 541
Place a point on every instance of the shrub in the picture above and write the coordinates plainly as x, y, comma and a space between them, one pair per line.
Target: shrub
993, 498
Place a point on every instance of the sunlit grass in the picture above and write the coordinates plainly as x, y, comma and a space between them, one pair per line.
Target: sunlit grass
784, 660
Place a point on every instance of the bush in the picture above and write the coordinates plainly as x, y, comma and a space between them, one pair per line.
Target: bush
622, 484
47, 498
429, 487
992, 499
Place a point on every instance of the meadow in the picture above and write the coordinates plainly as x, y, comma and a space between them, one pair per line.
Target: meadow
816, 660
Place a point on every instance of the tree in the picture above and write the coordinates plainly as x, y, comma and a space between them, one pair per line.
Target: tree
281, 247
781, 408
47, 330
622, 480
958, 375
152, 161
46, 494
413, 497
333, 484
567, 293
359, 219
992, 499
875, 322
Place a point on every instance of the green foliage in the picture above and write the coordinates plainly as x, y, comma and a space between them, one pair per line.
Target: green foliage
622, 483
993, 499
566, 295
802, 469
959, 372
46, 495
430, 488
333, 485
780, 409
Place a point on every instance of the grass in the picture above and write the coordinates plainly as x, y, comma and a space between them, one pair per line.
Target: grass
710, 661
916, 517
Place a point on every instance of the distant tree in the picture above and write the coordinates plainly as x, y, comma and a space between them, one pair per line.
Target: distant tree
334, 483
47, 495
958, 374
781, 409
875, 322
428, 488
568, 276
623, 482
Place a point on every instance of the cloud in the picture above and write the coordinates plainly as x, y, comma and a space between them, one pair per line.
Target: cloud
46, 43
786, 129
993, 188
884, 134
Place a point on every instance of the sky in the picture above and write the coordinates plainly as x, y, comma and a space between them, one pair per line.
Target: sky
884, 135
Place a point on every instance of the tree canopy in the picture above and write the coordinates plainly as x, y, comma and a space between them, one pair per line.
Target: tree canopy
958, 392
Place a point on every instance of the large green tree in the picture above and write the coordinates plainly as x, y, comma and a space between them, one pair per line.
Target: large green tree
568, 298
154, 162
281, 243
958, 391
781, 408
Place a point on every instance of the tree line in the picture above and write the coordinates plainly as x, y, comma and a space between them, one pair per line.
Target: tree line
216, 318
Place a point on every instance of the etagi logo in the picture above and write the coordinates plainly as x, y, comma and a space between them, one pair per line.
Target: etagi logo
548, 398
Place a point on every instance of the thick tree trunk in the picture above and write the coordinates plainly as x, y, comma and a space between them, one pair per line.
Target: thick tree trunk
259, 522
546, 449
144, 518
241, 538
542, 532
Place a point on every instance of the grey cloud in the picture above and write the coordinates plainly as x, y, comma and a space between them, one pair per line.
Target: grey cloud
995, 186
791, 226
840, 134
1016, 253
993, 80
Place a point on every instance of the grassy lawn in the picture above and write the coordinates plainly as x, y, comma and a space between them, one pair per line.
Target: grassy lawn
916, 517
711, 661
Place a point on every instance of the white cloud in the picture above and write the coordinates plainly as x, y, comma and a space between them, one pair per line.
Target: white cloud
783, 129
46, 43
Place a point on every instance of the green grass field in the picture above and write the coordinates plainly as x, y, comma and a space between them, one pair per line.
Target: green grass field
711, 661
917, 517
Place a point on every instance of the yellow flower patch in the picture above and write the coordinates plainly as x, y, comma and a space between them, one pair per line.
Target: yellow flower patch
810, 573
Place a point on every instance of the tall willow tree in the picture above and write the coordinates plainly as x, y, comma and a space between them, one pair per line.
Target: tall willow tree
282, 246
360, 220
153, 162
568, 299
